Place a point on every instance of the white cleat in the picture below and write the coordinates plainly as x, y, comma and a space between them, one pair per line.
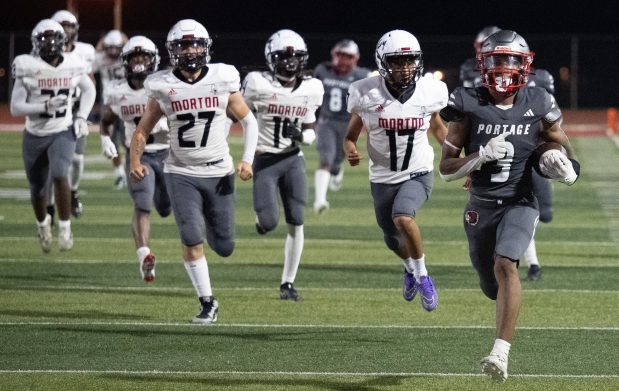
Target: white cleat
495, 366
336, 181
65, 239
321, 207
45, 234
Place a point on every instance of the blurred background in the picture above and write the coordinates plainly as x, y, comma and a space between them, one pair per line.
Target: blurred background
577, 43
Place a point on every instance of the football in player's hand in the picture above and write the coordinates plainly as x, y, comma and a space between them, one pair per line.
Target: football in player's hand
548, 158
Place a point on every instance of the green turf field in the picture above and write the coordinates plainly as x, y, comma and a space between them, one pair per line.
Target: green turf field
84, 319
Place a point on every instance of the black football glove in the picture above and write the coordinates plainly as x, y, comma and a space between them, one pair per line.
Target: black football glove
293, 132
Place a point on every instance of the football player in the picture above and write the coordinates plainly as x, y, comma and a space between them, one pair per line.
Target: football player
86, 51
126, 99
336, 77
45, 83
284, 102
195, 97
542, 187
499, 125
109, 66
398, 108
469, 73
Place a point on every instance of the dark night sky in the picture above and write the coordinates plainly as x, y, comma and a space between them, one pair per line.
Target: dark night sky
436, 17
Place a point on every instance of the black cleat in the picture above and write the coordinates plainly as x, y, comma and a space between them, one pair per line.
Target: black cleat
287, 292
534, 273
208, 311
76, 205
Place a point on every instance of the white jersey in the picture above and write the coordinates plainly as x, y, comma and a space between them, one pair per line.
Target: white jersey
397, 132
43, 81
129, 105
276, 107
109, 69
197, 119
87, 53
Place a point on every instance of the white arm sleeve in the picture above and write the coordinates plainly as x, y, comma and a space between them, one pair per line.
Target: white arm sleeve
19, 106
250, 137
87, 99
463, 171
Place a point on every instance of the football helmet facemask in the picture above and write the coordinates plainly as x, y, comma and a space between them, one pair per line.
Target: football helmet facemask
399, 59
47, 39
68, 21
189, 45
286, 55
504, 61
140, 57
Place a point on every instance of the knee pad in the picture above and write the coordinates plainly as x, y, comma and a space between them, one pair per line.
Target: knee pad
224, 248
392, 242
489, 289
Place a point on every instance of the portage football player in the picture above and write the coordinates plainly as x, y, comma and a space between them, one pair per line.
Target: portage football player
499, 125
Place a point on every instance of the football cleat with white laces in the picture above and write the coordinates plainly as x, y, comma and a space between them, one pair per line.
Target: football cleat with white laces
336, 181
45, 234
208, 311
147, 268
495, 366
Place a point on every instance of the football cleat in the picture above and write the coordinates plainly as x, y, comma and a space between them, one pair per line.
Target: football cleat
429, 297
65, 239
120, 182
495, 366
287, 292
45, 234
410, 286
147, 268
335, 182
259, 229
534, 273
321, 207
76, 205
208, 311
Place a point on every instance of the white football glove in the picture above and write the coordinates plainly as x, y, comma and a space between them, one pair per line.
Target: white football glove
55, 103
494, 150
108, 147
80, 127
556, 165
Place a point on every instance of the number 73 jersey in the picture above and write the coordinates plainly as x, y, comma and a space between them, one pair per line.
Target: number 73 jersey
398, 144
196, 115
278, 107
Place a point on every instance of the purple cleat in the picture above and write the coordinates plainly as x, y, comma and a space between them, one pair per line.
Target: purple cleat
429, 297
410, 286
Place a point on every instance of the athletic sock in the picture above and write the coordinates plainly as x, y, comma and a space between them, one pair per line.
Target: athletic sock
198, 273
292, 252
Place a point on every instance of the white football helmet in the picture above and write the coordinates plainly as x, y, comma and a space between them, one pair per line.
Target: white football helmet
47, 39
139, 45
286, 55
68, 21
113, 42
504, 61
399, 59
186, 34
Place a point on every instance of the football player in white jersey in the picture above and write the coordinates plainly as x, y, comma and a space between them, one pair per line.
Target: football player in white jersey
45, 82
109, 66
398, 108
196, 97
86, 52
126, 99
285, 104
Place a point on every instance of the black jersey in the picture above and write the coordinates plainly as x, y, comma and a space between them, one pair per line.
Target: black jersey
509, 177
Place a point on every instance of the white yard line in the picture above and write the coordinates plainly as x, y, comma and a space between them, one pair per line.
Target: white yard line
292, 373
302, 326
267, 289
